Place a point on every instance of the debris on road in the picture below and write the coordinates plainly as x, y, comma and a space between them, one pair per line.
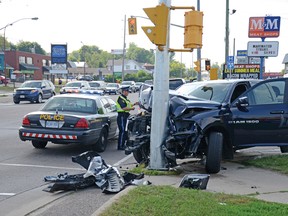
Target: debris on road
104, 176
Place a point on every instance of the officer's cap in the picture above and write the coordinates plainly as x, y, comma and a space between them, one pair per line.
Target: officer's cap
125, 88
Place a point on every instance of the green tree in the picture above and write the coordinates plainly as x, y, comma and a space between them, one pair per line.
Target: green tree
177, 69
30, 47
92, 55
139, 54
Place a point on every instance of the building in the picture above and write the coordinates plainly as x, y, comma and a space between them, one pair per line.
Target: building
25, 65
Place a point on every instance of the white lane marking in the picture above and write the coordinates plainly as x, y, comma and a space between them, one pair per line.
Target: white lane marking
123, 160
7, 194
40, 166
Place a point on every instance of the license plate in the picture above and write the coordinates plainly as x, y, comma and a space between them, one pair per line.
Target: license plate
22, 96
52, 124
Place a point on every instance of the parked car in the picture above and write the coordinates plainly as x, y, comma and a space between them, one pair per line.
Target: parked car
97, 84
4, 80
112, 88
86, 78
138, 85
72, 118
130, 84
174, 83
34, 91
74, 87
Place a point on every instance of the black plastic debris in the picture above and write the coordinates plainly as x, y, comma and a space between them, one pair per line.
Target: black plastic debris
99, 174
195, 181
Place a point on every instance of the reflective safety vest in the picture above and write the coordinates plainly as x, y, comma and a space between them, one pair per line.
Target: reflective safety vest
128, 104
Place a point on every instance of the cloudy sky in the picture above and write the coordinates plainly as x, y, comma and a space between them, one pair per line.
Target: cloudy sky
101, 23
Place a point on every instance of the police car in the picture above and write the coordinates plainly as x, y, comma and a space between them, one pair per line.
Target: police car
83, 119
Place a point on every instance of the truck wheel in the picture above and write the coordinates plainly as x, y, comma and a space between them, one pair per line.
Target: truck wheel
284, 149
142, 154
214, 152
39, 144
102, 141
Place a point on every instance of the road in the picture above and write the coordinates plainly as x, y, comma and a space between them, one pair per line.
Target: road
23, 169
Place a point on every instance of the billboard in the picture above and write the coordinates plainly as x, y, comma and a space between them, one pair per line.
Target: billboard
268, 26
242, 71
59, 53
263, 48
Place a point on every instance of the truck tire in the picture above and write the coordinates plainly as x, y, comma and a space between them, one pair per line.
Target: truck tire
142, 154
214, 152
284, 149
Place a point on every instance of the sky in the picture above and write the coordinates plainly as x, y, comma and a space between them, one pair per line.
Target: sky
102, 23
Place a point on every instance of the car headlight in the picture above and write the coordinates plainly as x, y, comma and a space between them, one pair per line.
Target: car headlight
34, 90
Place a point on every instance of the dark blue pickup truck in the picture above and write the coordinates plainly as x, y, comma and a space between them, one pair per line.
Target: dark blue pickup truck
212, 119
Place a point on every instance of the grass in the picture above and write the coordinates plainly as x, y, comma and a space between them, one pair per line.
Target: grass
168, 200
275, 162
6, 88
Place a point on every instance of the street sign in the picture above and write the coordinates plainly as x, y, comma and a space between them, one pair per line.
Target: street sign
268, 26
263, 49
230, 62
117, 51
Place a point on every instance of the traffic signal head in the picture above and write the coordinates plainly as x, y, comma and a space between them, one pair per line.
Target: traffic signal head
132, 26
159, 16
207, 65
193, 29
197, 66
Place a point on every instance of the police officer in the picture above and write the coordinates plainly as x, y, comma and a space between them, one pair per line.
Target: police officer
123, 108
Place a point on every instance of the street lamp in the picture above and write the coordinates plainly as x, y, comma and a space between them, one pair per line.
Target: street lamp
227, 30
4, 37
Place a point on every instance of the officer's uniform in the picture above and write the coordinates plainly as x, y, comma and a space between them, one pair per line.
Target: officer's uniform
123, 115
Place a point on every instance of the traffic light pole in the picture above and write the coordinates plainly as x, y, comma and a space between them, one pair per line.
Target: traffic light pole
199, 50
160, 102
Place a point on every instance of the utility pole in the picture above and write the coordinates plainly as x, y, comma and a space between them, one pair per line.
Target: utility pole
124, 47
160, 101
199, 50
227, 32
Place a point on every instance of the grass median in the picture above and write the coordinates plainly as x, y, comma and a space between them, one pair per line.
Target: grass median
168, 200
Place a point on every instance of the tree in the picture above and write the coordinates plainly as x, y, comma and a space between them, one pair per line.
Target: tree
139, 54
92, 55
177, 69
31, 47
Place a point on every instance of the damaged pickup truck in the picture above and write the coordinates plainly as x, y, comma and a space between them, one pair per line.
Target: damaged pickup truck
210, 120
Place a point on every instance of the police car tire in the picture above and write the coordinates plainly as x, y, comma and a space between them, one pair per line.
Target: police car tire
102, 141
214, 152
39, 144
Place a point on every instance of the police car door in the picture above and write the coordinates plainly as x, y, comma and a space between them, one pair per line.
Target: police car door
259, 117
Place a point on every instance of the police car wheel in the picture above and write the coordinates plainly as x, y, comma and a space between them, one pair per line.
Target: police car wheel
39, 144
102, 141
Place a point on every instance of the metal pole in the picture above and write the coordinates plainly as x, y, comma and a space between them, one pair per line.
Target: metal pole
160, 102
227, 32
199, 50
4, 48
124, 46
113, 68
